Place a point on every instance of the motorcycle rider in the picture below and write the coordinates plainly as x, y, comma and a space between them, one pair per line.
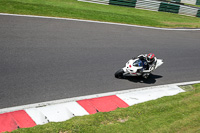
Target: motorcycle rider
149, 61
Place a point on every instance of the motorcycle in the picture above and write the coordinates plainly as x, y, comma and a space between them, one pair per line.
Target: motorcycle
137, 67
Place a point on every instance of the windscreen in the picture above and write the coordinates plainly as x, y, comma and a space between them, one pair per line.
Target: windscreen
138, 63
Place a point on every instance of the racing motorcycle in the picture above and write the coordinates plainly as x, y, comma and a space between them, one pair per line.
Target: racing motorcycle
137, 67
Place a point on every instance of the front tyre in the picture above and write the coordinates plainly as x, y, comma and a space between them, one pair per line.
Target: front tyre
119, 74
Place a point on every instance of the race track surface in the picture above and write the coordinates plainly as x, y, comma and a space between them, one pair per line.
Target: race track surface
47, 59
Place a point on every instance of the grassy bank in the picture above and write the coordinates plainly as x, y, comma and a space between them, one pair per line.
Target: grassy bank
179, 113
89, 11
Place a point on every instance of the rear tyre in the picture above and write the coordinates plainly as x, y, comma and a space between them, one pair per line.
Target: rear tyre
119, 74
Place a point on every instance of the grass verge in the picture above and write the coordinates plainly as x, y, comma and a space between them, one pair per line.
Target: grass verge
179, 113
192, 5
90, 11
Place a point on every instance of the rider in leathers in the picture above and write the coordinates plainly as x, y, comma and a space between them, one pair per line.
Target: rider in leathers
149, 63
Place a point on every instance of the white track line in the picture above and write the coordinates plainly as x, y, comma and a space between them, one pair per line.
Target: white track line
91, 21
89, 97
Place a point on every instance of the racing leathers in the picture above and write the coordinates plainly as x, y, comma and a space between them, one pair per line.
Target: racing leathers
148, 65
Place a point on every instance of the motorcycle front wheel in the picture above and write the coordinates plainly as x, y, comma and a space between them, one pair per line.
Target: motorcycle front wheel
119, 74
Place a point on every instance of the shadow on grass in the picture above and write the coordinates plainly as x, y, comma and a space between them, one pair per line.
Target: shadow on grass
150, 80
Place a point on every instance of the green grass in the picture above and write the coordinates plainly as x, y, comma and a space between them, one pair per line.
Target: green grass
192, 5
90, 11
172, 114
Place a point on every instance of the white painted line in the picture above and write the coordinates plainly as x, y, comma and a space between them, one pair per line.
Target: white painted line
43, 104
96, 1
91, 21
187, 83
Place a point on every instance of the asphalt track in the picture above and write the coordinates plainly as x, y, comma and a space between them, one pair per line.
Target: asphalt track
47, 59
